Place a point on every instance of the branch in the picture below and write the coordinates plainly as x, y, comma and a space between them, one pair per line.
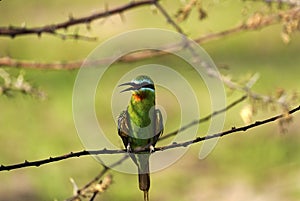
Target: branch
174, 145
280, 2
89, 188
38, 163
13, 31
256, 22
204, 119
10, 85
105, 151
233, 130
168, 18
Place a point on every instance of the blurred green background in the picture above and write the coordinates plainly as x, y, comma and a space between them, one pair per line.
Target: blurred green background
261, 164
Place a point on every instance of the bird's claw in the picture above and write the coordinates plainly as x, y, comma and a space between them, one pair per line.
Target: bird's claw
152, 149
128, 148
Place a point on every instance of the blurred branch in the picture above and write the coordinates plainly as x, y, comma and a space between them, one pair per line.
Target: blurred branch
172, 146
95, 186
10, 62
13, 31
204, 119
288, 2
231, 131
106, 151
184, 12
290, 20
168, 18
255, 22
9, 85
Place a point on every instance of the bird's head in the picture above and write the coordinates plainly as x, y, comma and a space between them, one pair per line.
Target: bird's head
141, 87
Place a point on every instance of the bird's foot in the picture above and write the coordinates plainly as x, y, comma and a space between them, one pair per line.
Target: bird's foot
128, 148
152, 149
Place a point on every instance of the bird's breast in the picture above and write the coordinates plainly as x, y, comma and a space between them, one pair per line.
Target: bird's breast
138, 97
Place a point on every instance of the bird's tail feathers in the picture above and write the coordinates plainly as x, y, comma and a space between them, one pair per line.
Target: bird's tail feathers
144, 174
144, 182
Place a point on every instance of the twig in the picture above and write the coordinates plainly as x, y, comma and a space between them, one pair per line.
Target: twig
168, 18
253, 23
13, 31
106, 151
85, 188
204, 119
38, 163
174, 145
231, 131
288, 2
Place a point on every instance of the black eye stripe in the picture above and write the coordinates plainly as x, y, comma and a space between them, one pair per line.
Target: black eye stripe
147, 86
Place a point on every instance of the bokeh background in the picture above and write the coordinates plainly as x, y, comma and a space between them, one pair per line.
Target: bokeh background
261, 164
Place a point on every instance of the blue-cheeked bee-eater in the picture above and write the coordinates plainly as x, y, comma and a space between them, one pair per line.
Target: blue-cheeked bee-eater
140, 126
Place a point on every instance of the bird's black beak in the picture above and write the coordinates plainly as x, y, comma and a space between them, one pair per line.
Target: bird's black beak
131, 84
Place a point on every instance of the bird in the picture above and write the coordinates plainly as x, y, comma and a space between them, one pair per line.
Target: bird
140, 126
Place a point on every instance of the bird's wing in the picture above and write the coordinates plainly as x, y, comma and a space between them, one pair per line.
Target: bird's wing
123, 129
159, 127
159, 123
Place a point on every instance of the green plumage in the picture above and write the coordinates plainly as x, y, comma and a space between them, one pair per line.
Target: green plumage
140, 126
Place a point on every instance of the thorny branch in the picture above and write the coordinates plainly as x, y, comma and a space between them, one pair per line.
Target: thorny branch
252, 23
172, 146
255, 22
38, 163
290, 19
96, 186
91, 187
13, 31
227, 132
204, 119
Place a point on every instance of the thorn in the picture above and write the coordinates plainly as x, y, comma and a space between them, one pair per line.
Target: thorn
88, 26
233, 128
122, 16
71, 18
75, 187
26, 162
106, 7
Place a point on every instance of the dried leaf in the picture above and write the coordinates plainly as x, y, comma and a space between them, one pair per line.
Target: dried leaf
247, 114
